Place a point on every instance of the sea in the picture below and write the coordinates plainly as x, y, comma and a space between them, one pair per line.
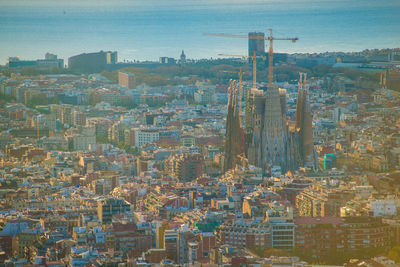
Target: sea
146, 30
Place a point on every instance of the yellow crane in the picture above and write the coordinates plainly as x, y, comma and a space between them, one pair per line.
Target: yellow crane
37, 125
254, 57
383, 78
269, 38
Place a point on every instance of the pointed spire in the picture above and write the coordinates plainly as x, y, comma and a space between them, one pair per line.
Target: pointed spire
301, 80
305, 86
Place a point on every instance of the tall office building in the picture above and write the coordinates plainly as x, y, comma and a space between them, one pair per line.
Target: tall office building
234, 136
92, 62
112, 57
256, 45
304, 123
171, 238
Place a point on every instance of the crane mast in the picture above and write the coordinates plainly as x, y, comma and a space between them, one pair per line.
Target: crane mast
271, 40
37, 126
270, 58
254, 57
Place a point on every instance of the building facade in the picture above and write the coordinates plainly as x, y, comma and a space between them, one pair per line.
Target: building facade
126, 79
109, 207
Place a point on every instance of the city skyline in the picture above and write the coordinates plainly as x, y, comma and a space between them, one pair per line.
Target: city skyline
277, 155
146, 32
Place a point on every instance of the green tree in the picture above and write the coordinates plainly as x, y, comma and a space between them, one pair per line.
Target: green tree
394, 254
102, 139
6, 98
268, 252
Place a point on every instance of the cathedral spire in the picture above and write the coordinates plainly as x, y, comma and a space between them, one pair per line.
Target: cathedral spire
304, 123
234, 136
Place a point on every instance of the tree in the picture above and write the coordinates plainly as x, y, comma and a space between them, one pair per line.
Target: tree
39, 100
268, 252
394, 254
6, 98
102, 139
129, 149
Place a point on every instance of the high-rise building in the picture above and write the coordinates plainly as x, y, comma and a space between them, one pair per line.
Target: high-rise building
92, 62
171, 238
160, 230
126, 79
112, 57
256, 45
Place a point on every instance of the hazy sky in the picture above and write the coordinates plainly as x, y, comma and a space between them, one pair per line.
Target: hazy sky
177, 3
148, 29
201, 4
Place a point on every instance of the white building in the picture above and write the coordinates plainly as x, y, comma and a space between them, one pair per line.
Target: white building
385, 207
205, 96
339, 113
85, 140
145, 136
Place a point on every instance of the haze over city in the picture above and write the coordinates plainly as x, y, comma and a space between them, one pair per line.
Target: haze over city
199, 133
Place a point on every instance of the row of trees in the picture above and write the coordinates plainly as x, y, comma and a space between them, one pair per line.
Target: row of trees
216, 72
213, 71
34, 71
38, 100
6, 98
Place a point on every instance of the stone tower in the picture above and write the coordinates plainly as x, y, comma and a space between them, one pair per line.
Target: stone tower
234, 136
304, 123
269, 141
275, 141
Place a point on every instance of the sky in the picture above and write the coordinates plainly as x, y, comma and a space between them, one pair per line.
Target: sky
148, 29
209, 3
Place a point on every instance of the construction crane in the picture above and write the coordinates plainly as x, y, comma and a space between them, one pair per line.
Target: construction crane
383, 79
271, 40
254, 57
37, 125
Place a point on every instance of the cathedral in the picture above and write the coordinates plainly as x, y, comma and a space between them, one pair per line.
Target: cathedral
304, 125
270, 142
234, 139
268, 139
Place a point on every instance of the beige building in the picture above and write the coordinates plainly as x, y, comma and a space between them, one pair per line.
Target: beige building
126, 79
